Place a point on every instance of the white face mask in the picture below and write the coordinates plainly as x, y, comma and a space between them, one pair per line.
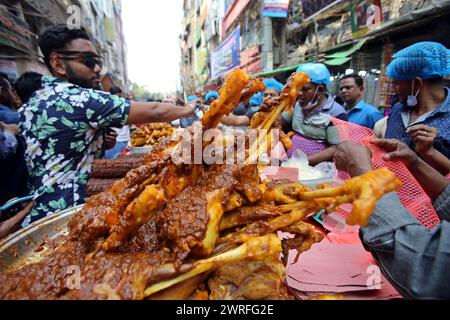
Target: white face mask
412, 99
311, 105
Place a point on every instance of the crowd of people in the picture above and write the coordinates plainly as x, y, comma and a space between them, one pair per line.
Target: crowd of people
65, 121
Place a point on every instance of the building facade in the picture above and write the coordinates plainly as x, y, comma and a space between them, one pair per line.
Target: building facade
23, 20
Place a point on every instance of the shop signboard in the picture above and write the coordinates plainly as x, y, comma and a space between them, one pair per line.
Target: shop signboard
276, 8
311, 7
227, 56
251, 60
365, 15
13, 32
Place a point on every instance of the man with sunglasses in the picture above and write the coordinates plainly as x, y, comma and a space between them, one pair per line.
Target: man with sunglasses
64, 123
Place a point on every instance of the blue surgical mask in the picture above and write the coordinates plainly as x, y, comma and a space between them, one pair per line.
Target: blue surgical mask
412, 99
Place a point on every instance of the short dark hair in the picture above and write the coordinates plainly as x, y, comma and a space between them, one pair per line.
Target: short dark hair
27, 84
115, 90
56, 38
358, 79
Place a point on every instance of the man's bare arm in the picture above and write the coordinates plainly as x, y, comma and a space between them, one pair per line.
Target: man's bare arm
148, 112
322, 156
236, 121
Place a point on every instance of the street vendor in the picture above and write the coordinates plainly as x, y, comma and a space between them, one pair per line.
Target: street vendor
315, 133
422, 119
64, 124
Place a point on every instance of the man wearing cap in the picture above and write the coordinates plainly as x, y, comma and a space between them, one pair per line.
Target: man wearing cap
315, 133
211, 96
421, 119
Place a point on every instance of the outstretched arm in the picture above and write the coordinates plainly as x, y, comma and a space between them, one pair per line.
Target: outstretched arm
236, 121
148, 112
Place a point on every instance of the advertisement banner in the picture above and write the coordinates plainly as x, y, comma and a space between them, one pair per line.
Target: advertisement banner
276, 8
365, 15
227, 56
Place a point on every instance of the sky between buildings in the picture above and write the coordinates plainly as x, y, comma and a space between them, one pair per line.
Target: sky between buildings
152, 29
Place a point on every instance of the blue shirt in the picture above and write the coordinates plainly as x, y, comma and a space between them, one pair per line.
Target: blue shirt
8, 116
438, 118
365, 115
64, 126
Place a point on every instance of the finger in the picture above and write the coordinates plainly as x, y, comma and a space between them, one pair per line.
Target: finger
423, 130
422, 135
418, 127
393, 156
386, 144
21, 215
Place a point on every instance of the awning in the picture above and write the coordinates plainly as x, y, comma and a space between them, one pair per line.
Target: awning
337, 61
277, 71
334, 59
346, 53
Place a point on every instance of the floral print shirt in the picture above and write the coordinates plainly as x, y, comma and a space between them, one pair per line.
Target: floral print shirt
64, 127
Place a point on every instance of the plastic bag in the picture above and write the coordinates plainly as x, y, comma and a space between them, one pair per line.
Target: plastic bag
325, 170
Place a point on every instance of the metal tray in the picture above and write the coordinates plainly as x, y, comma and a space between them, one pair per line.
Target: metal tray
28, 245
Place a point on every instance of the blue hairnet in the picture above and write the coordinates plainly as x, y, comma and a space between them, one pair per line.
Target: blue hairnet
256, 99
424, 59
212, 94
192, 98
318, 72
273, 84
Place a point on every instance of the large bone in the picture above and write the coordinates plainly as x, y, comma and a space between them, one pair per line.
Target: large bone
364, 191
261, 248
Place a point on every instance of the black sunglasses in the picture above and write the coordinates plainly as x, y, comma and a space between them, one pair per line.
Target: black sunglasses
89, 59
